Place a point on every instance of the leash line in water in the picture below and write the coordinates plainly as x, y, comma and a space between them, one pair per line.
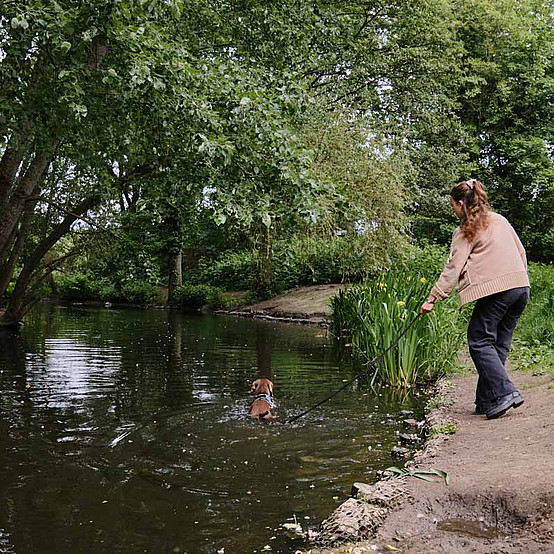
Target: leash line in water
369, 366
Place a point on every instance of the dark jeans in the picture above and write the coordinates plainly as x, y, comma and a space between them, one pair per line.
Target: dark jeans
489, 337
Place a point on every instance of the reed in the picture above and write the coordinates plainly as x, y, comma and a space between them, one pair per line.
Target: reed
372, 315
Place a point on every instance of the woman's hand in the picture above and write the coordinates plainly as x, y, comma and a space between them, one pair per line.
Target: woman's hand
428, 306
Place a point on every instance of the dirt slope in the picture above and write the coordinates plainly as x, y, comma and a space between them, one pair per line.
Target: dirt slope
303, 304
501, 493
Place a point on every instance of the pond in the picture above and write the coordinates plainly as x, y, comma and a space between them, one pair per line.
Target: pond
127, 431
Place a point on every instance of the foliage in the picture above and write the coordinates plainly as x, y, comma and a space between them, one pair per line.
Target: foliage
80, 287
76, 287
371, 316
300, 260
193, 297
537, 322
424, 474
425, 259
309, 260
509, 76
229, 271
370, 171
142, 112
533, 356
290, 120
534, 339
500, 118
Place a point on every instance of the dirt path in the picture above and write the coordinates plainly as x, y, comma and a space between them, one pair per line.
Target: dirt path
501, 493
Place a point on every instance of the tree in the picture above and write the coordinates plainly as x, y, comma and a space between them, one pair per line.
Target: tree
499, 122
506, 103
126, 95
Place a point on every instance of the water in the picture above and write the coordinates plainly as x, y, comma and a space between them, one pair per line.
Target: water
469, 527
125, 431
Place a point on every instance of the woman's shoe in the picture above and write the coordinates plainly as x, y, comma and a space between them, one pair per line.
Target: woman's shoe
503, 404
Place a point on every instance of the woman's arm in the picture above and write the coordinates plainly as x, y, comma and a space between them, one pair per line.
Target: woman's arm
459, 253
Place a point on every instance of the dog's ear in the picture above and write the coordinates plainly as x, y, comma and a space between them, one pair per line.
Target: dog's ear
270, 386
255, 386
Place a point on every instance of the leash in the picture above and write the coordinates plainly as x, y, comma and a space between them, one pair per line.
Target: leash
370, 365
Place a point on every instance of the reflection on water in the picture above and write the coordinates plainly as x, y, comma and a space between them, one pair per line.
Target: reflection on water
127, 431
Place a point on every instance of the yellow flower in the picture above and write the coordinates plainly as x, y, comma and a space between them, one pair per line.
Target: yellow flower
423, 280
400, 303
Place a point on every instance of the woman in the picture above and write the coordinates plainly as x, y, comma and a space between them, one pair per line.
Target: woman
488, 264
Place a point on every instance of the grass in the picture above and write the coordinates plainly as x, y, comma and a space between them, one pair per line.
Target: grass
438, 401
444, 429
533, 347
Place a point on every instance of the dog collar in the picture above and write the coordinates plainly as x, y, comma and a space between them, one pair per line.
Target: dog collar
267, 397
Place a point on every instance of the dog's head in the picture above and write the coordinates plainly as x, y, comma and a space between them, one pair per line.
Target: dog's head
262, 386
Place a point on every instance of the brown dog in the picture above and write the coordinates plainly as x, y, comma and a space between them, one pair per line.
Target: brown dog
263, 403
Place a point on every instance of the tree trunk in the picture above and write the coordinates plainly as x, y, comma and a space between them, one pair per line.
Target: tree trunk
10, 162
6, 270
22, 297
16, 205
175, 273
264, 268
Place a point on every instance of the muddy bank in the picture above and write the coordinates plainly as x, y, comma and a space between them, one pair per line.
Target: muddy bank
301, 305
501, 472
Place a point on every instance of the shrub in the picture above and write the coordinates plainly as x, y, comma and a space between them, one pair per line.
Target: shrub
137, 292
426, 260
537, 321
231, 271
76, 287
193, 297
371, 316
306, 260
80, 287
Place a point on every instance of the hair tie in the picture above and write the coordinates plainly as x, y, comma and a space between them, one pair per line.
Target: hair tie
470, 183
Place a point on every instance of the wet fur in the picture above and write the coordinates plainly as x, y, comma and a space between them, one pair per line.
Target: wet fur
260, 408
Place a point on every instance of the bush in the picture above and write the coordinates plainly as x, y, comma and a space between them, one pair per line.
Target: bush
137, 292
537, 322
306, 260
76, 287
298, 261
426, 260
193, 297
231, 271
81, 287
372, 315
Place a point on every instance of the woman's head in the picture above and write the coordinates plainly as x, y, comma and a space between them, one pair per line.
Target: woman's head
470, 203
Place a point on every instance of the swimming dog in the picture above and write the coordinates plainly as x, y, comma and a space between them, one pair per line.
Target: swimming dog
263, 403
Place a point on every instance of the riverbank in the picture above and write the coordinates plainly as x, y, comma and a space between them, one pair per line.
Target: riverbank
310, 305
500, 497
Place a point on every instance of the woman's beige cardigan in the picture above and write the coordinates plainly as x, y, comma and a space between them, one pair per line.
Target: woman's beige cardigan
493, 262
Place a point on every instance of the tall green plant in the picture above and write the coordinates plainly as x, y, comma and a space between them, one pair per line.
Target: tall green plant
371, 316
